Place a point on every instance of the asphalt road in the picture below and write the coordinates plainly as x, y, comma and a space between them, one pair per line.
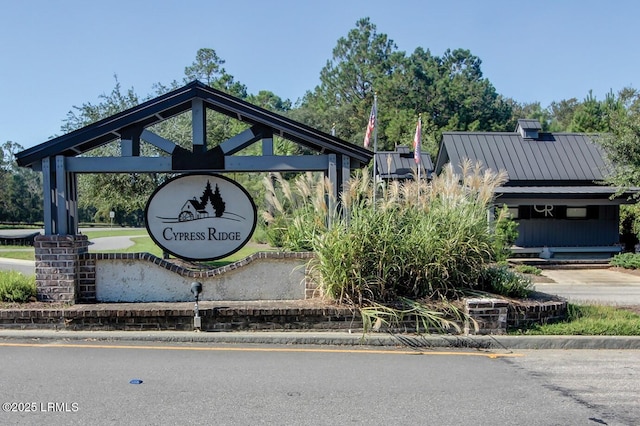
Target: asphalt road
90, 383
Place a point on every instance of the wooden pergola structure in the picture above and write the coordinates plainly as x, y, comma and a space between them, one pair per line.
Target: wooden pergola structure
62, 158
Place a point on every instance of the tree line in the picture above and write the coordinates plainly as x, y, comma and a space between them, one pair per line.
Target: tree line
448, 90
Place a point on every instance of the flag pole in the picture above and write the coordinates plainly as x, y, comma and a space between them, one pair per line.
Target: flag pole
419, 156
375, 147
417, 152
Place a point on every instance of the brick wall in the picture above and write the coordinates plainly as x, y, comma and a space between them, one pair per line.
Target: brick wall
490, 316
267, 315
180, 318
536, 312
494, 316
86, 288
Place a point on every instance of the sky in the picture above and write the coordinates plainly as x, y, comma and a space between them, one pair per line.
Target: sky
55, 55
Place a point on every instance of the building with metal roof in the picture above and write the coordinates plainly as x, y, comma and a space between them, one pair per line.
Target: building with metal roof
555, 188
400, 164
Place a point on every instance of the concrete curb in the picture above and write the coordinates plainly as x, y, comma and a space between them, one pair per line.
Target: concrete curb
334, 339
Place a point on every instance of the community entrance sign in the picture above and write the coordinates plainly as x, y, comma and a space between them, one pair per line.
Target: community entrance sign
195, 218
200, 216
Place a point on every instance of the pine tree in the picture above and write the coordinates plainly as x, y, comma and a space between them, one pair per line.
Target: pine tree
206, 195
217, 202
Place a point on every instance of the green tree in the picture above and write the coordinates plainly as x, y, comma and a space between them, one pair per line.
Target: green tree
5, 184
622, 144
20, 188
126, 194
589, 116
270, 101
123, 193
110, 104
465, 100
593, 116
529, 110
562, 114
207, 68
359, 65
449, 91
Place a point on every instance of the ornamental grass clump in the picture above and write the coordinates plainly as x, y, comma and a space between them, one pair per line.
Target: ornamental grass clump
417, 246
421, 241
294, 216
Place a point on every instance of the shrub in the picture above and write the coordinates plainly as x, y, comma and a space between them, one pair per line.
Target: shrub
506, 233
626, 260
16, 287
528, 269
499, 279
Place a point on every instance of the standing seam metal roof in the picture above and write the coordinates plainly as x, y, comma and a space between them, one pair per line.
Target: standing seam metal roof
400, 164
551, 157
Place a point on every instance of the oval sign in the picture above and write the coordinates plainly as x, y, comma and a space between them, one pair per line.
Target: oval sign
200, 216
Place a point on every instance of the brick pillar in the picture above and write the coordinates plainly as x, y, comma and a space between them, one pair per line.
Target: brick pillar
489, 314
57, 266
86, 288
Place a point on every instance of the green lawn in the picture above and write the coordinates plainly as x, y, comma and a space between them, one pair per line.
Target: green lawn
590, 320
142, 244
13, 252
115, 233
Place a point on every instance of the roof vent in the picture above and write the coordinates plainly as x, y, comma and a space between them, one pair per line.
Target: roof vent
528, 129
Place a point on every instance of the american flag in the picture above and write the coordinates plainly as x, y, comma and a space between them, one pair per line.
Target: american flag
416, 141
371, 126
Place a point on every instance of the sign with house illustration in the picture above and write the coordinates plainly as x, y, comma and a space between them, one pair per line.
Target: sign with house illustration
200, 216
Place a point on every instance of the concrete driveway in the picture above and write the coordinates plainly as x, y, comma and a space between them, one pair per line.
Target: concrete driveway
602, 286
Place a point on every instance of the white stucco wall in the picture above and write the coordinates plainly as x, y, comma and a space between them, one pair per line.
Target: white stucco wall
122, 280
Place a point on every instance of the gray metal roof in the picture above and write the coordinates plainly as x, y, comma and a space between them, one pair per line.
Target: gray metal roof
400, 164
551, 157
178, 101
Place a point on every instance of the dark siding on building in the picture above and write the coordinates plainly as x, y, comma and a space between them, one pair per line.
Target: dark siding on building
570, 232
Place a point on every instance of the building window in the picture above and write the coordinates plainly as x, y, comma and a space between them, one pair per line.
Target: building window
576, 212
541, 211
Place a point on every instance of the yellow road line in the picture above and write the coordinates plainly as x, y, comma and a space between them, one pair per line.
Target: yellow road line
249, 349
